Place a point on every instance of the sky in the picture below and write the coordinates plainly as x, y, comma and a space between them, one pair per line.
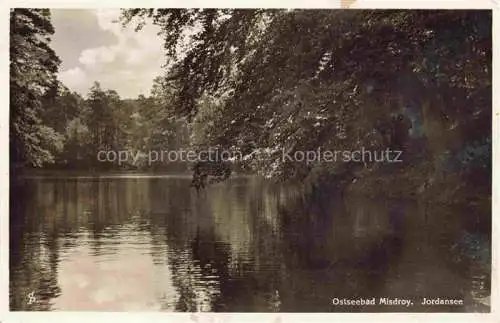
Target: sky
94, 48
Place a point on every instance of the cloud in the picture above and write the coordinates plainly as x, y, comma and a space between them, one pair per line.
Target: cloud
127, 65
73, 78
77, 30
95, 56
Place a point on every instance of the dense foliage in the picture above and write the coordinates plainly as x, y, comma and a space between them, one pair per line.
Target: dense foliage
261, 81
33, 69
103, 122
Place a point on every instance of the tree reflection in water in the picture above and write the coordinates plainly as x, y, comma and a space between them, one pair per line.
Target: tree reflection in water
243, 245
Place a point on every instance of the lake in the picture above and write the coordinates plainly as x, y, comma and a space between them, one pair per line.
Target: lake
152, 243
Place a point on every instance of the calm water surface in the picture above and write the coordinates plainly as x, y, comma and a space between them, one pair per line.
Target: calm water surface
153, 244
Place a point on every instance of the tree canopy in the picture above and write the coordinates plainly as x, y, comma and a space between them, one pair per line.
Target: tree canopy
33, 68
263, 80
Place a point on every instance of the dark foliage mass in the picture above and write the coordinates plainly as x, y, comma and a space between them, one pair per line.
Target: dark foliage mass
32, 73
261, 81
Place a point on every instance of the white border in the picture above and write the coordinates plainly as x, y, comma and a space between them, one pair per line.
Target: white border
4, 162
427, 4
42, 317
92, 317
